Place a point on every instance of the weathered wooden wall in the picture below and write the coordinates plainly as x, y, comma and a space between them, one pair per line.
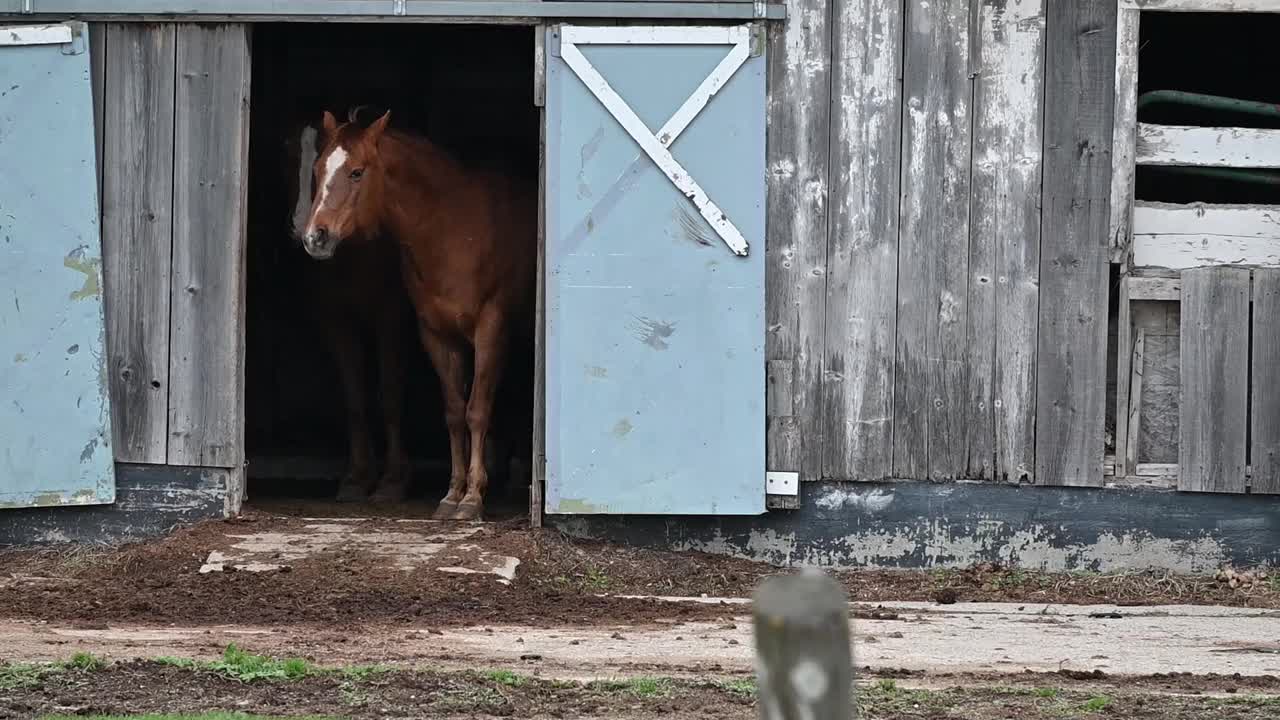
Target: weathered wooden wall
938, 241
938, 246
174, 142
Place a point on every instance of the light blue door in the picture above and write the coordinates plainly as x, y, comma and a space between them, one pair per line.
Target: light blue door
655, 218
55, 435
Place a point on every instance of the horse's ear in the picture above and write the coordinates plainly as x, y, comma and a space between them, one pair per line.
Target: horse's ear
330, 124
379, 126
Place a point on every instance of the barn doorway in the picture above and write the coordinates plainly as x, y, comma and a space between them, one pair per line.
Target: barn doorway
470, 89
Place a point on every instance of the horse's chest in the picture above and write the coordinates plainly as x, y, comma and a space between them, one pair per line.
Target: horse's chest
436, 300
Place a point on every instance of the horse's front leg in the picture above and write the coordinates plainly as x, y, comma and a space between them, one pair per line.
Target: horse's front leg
394, 485
490, 354
344, 341
448, 360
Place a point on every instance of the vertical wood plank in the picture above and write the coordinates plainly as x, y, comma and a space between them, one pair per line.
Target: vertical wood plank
1124, 358
1214, 381
98, 81
538, 470
1004, 252
1133, 427
861, 308
796, 247
1124, 144
206, 402
1265, 403
1071, 374
931, 378
137, 233
780, 413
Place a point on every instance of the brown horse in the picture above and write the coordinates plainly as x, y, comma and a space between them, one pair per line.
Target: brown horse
468, 252
360, 295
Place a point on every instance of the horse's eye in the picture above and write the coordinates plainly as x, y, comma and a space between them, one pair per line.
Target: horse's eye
357, 174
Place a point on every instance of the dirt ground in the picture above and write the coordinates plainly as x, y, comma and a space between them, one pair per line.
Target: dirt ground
560, 582
151, 687
567, 637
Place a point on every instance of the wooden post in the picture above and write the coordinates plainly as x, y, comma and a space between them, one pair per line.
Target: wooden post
803, 656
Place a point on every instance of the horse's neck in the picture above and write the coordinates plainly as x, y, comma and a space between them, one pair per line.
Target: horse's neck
419, 177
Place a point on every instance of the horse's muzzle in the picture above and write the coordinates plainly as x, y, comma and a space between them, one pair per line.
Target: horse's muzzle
319, 244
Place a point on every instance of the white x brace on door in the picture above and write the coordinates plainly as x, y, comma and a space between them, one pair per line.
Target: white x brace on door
655, 334
656, 146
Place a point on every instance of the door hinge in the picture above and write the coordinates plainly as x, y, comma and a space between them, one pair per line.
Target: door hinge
397, 7
786, 484
28, 6
760, 8
759, 37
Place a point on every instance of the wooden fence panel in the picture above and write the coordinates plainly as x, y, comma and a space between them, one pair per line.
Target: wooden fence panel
1071, 375
137, 233
1265, 403
931, 379
1004, 261
798, 161
866, 127
206, 401
1214, 338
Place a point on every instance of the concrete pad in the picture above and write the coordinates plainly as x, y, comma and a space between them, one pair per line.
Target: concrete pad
442, 546
999, 640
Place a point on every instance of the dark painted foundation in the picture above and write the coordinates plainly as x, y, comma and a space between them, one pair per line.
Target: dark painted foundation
150, 500
907, 525
924, 525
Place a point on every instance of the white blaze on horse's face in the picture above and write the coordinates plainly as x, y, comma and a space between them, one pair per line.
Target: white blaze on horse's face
320, 241
306, 168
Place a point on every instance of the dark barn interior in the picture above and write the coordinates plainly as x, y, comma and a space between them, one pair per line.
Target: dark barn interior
470, 90
1223, 54
1228, 55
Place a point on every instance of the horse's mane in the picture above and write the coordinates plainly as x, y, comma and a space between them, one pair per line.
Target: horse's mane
427, 161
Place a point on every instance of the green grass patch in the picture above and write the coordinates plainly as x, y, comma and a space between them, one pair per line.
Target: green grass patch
247, 667
237, 664
504, 677
641, 687
742, 687
1097, 703
14, 676
85, 661
1051, 693
23, 675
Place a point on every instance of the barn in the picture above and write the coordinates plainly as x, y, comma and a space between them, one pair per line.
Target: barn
899, 283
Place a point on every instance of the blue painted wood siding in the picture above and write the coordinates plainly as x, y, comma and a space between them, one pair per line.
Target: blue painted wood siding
55, 435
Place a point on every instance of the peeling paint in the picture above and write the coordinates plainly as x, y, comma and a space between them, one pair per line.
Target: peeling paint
868, 500
927, 525
653, 333
77, 260
623, 428
573, 506
19, 358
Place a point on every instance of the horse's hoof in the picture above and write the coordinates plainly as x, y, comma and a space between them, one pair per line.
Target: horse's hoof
445, 510
469, 511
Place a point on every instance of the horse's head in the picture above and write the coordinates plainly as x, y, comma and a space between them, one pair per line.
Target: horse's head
348, 180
